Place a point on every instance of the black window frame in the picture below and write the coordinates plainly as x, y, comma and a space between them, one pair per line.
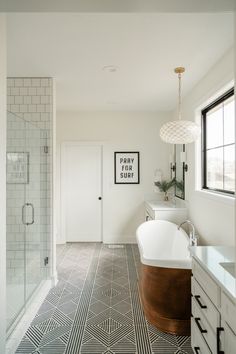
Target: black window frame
204, 112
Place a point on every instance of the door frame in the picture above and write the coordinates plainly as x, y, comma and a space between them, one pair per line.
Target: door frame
65, 144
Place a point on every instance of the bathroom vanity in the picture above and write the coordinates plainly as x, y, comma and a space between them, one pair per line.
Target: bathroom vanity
213, 322
160, 210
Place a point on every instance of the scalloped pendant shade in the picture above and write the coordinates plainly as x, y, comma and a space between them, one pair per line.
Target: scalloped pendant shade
180, 131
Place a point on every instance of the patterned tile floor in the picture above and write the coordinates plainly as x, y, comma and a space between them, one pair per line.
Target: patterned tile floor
95, 308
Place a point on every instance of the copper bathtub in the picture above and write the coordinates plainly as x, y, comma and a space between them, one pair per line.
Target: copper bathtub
165, 276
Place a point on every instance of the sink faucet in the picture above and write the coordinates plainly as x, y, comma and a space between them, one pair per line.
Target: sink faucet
192, 235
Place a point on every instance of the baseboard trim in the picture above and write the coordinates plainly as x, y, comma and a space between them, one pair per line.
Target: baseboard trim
54, 279
60, 242
120, 239
116, 240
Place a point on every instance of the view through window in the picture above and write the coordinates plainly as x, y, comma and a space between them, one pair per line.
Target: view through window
218, 145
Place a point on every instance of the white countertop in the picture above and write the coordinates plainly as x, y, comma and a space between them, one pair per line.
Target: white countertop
161, 205
210, 258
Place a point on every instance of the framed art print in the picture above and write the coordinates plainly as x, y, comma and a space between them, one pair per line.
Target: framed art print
126, 165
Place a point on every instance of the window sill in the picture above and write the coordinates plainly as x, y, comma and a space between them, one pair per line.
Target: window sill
220, 198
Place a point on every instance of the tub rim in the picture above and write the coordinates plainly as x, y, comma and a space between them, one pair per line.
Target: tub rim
185, 263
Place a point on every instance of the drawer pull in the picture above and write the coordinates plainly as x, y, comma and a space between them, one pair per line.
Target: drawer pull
197, 320
196, 350
197, 297
218, 330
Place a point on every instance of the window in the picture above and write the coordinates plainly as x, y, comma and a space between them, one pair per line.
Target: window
218, 145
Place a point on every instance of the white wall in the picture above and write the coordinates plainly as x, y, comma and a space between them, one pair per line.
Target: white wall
123, 208
213, 217
2, 183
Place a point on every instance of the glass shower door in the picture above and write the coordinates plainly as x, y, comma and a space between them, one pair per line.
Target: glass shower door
17, 178
27, 220
34, 209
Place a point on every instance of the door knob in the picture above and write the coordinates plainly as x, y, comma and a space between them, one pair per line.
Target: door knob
99, 198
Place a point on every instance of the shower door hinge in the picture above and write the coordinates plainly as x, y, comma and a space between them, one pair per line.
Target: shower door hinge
45, 149
45, 261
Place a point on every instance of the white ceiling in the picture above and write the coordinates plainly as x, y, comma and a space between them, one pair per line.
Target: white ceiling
145, 48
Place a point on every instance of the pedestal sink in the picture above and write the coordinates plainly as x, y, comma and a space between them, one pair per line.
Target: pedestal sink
229, 267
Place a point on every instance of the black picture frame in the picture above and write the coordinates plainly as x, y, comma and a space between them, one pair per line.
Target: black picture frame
126, 167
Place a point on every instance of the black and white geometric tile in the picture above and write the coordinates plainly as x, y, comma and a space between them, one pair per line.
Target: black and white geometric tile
95, 308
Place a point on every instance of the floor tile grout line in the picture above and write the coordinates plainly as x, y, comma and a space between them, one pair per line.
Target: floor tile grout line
73, 346
138, 275
25, 335
64, 287
135, 303
56, 308
64, 252
112, 276
109, 307
79, 299
91, 293
127, 264
62, 260
87, 273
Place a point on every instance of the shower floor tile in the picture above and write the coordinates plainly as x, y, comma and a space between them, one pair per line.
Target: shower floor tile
95, 308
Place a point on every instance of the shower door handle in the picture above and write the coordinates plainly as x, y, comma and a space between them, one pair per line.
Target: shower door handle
32, 207
23, 214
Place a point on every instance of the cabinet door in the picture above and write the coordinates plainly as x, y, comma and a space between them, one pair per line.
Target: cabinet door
228, 339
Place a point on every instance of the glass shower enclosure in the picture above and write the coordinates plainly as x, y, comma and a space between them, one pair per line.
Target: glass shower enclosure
28, 221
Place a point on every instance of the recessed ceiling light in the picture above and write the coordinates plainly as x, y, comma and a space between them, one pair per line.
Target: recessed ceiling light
110, 68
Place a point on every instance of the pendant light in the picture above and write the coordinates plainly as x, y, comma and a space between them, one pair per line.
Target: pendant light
179, 131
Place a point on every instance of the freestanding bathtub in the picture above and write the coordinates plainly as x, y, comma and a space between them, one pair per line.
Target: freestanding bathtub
165, 276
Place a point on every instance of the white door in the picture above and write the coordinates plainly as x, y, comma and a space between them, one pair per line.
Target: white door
81, 192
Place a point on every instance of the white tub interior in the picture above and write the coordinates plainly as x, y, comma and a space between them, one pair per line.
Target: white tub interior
162, 244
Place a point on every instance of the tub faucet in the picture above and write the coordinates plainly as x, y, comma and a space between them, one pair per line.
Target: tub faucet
192, 234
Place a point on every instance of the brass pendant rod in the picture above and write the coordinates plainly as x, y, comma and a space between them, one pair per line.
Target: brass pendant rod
180, 70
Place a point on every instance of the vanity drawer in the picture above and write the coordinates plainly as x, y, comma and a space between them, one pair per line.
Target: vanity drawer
228, 310
199, 345
228, 339
148, 216
205, 305
176, 215
203, 327
150, 212
207, 283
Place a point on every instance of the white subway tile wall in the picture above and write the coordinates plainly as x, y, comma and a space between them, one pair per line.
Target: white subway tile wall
29, 105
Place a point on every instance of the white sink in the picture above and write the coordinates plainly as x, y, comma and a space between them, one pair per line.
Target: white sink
229, 267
